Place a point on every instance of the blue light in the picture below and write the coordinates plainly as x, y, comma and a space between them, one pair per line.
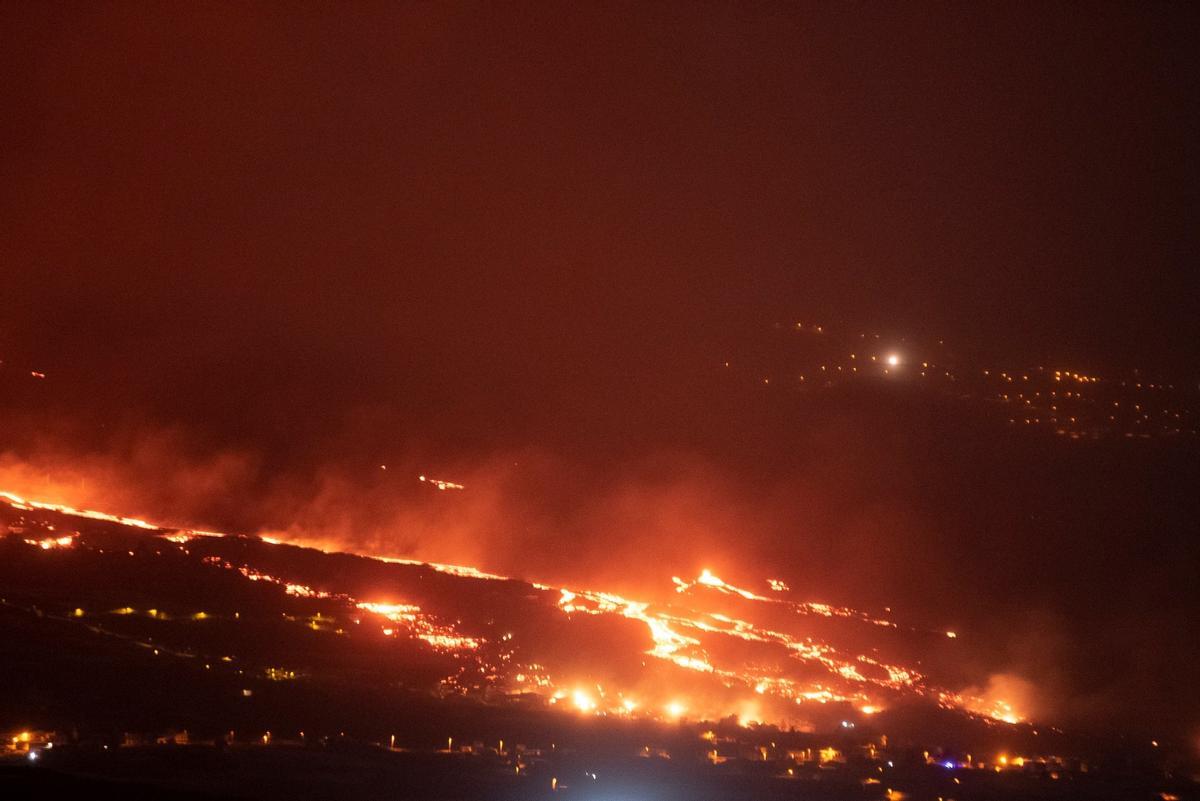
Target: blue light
948, 765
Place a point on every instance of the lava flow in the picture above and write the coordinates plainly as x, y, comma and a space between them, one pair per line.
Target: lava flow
713, 651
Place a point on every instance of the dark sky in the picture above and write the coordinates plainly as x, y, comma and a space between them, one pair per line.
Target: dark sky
409, 192
248, 240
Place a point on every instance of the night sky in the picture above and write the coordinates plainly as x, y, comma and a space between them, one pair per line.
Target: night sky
259, 250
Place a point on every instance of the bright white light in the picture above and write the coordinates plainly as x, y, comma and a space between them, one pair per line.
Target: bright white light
893, 360
583, 701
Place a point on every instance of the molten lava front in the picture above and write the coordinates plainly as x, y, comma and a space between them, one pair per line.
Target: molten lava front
715, 650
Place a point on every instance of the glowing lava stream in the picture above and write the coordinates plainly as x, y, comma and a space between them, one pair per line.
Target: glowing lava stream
17, 502
707, 579
673, 646
675, 634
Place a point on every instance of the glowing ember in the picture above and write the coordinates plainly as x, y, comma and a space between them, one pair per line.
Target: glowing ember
440, 484
54, 542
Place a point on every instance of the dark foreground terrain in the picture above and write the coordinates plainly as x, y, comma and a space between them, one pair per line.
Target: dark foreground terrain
137, 666
345, 770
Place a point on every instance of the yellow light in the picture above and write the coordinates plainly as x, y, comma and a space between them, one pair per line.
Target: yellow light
893, 359
582, 701
675, 709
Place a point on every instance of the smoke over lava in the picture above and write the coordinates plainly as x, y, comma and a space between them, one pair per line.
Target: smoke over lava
607, 538
724, 650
